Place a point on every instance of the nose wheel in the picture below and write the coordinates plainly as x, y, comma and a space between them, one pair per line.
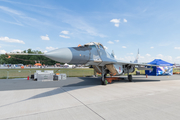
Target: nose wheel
129, 76
103, 78
105, 82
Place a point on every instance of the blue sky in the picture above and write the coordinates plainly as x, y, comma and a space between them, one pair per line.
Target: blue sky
120, 25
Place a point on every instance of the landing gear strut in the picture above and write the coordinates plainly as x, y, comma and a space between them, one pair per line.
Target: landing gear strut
103, 74
129, 76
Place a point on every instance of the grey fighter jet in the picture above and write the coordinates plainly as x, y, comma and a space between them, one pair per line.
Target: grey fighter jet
94, 54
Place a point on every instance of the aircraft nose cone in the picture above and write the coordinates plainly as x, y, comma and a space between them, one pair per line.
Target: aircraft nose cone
63, 55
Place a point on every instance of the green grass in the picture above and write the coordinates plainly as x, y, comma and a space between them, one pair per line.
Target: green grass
176, 70
19, 73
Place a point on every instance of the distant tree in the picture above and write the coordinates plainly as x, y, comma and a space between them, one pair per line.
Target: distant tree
27, 59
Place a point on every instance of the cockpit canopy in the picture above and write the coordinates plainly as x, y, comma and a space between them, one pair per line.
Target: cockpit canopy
94, 44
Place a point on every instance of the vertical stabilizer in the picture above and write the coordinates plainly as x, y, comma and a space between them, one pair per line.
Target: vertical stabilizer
137, 57
112, 54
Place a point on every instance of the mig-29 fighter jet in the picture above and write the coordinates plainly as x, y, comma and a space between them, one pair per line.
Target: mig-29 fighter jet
94, 54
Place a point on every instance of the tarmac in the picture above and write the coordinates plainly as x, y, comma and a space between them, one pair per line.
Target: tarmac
152, 98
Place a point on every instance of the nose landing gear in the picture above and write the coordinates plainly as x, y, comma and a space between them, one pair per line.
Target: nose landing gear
103, 74
105, 82
129, 76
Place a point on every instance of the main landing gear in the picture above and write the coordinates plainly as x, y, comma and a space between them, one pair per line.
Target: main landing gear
104, 81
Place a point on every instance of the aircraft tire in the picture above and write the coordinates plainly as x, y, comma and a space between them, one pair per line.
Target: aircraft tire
105, 82
130, 78
102, 82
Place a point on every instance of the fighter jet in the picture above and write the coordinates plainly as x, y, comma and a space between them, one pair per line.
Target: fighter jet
95, 54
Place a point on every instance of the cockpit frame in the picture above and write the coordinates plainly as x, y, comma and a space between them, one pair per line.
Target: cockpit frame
94, 44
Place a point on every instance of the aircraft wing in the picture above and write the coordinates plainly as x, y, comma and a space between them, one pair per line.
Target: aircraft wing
138, 64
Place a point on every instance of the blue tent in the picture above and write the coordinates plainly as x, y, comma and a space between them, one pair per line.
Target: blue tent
165, 68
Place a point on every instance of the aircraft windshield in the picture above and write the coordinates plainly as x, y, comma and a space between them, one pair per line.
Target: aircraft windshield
101, 46
93, 45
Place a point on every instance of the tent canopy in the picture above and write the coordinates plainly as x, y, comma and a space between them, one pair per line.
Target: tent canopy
160, 62
38, 64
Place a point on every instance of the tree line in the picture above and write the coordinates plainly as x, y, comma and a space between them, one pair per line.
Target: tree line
26, 59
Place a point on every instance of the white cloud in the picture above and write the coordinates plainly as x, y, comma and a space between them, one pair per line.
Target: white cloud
148, 55
116, 22
18, 50
110, 42
0, 46
125, 20
117, 25
123, 46
45, 37
116, 40
151, 47
105, 47
65, 32
2, 52
63, 36
10, 10
6, 39
51, 48
178, 48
